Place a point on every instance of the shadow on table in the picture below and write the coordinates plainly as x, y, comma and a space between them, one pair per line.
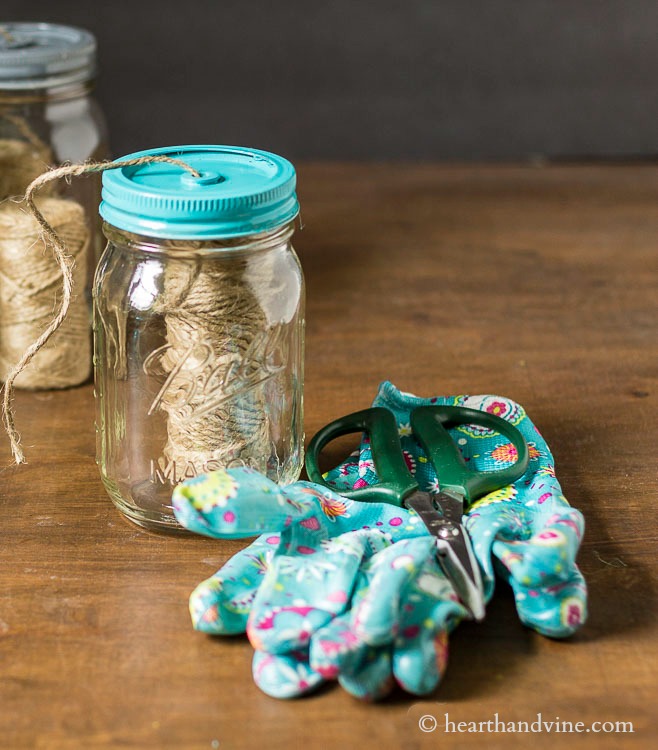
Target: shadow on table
617, 527
620, 592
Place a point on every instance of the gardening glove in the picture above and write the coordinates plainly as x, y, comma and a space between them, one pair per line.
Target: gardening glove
526, 532
366, 657
302, 573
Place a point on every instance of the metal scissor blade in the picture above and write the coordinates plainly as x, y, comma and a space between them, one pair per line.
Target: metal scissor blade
458, 562
454, 550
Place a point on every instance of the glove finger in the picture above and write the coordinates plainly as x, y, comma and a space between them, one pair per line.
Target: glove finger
431, 610
221, 604
280, 629
420, 659
362, 670
548, 556
377, 615
284, 675
229, 503
535, 552
237, 503
302, 592
420, 655
557, 610
371, 679
336, 648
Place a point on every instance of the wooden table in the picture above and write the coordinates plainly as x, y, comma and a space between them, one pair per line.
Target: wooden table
538, 283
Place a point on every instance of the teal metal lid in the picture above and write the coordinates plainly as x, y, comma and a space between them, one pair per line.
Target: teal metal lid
45, 55
240, 191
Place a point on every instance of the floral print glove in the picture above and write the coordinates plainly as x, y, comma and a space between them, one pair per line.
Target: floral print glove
341, 589
527, 532
335, 588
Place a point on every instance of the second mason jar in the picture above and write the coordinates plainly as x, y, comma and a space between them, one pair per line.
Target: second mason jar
198, 325
48, 114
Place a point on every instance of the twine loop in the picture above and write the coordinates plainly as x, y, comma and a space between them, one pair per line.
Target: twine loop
65, 264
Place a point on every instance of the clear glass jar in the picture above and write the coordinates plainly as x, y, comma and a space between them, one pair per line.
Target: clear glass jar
47, 74
198, 359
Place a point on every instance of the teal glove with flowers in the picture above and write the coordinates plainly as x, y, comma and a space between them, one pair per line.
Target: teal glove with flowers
347, 590
335, 588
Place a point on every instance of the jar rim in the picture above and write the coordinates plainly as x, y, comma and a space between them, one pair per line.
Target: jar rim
45, 56
263, 240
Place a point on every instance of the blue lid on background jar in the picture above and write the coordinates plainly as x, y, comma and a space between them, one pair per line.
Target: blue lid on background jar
45, 55
240, 191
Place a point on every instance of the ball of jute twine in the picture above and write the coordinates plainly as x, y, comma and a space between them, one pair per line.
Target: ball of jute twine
65, 264
29, 277
30, 283
215, 399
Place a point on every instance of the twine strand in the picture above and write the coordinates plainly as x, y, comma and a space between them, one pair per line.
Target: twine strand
23, 158
65, 264
23, 127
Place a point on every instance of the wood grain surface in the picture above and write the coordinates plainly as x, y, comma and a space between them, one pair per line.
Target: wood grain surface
534, 283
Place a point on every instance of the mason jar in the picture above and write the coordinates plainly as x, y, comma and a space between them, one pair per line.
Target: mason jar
198, 325
48, 114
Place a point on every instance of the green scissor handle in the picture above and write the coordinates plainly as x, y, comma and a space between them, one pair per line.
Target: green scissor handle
395, 480
430, 426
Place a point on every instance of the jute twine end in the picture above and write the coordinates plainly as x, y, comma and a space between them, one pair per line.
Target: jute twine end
10, 427
50, 237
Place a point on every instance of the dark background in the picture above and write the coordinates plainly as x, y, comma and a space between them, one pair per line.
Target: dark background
387, 79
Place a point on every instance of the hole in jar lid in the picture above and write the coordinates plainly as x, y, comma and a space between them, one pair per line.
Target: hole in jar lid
206, 178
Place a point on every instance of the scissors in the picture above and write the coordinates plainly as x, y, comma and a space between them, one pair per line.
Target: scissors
441, 511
